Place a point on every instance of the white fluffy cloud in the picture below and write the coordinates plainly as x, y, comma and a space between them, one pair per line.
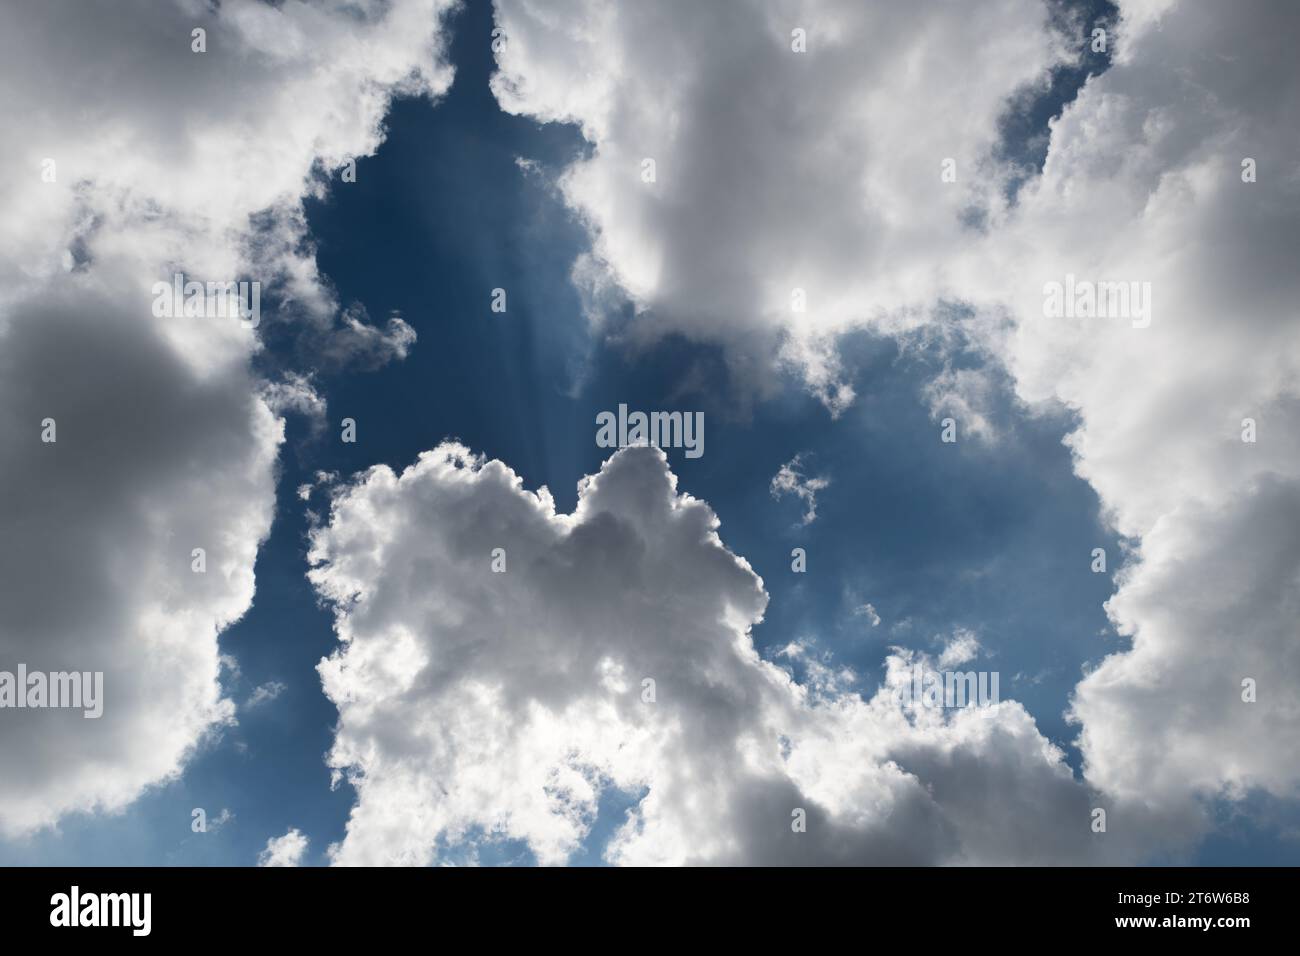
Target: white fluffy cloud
776, 170
99, 526
821, 170
1143, 183
476, 704
473, 702
287, 850
161, 160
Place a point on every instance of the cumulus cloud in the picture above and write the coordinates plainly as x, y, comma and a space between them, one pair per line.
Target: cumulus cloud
1144, 183
959, 649
819, 172
1212, 604
790, 480
796, 194
96, 574
132, 158
613, 653
287, 850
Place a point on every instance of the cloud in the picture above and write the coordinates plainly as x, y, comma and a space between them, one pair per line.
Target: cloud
1144, 183
357, 344
161, 160
868, 611
796, 195
967, 396
790, 480
472, 702
1211, 604
96, 574
287, 850
296, 393
820, 171
961, 648
479, 705
264, 694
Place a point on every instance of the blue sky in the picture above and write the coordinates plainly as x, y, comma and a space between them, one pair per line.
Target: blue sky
994, 538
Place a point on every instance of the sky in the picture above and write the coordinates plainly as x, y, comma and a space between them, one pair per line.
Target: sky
839, 263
